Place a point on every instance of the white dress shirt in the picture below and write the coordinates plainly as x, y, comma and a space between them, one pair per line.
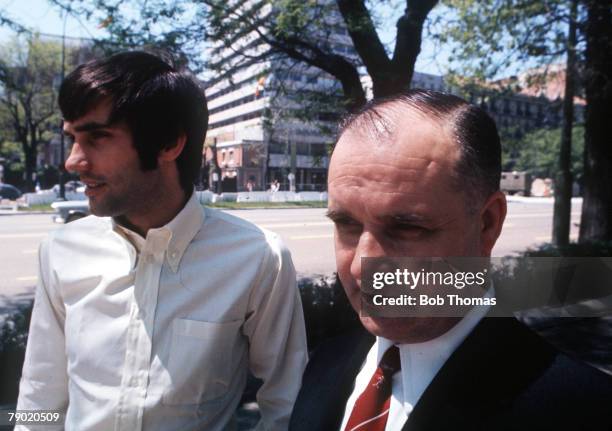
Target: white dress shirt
420, 363
135, 334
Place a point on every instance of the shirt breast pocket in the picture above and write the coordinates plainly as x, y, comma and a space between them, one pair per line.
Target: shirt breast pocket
200, 360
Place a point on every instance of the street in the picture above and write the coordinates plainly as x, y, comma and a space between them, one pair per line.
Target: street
306, 232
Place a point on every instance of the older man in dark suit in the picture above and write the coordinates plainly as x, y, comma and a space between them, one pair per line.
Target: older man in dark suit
418, 175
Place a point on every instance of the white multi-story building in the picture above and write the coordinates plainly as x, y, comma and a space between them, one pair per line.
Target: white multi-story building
256, 121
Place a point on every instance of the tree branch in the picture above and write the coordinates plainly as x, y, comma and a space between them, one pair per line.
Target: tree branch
365, 38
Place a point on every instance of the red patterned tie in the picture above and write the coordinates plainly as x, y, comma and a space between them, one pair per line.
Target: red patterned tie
372, 407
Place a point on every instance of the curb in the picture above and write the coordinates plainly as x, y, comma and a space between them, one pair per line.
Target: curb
538, 200
14, 213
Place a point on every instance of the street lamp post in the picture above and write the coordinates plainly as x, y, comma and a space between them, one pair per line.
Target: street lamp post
62, 187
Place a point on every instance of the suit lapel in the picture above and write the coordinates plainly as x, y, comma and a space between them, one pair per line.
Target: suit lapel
478, 383
329, 380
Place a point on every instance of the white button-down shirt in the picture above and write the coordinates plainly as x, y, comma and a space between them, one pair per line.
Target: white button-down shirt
133, 334
420, 363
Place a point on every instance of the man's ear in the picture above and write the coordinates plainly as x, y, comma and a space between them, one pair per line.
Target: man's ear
170, 154
492, 218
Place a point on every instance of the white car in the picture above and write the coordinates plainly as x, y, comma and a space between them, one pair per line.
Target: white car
70, 186
68, 211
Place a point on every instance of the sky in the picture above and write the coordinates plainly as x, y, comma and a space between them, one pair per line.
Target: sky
40, 16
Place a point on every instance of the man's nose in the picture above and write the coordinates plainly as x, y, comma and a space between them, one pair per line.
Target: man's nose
369, 245
77, 160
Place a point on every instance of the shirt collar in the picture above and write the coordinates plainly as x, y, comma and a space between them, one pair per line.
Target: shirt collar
184, 228
422, 361
174, 237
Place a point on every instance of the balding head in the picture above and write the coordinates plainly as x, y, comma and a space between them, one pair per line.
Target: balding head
477, 167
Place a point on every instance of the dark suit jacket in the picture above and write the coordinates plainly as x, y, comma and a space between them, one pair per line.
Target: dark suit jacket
502, 377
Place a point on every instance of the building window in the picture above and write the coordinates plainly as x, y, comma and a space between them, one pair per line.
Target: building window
318, 150
277, 147
233, 120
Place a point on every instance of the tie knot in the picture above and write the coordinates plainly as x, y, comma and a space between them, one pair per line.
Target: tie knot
390, 362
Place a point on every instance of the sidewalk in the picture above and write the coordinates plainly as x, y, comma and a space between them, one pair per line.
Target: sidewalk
538, 200
6, 212
19, 208
9, 208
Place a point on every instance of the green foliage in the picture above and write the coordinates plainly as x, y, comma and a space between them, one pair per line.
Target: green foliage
587, 249
29, 72
47, 176
13, 339
327, 311
14, 330
494, 36
171, 27
294, 17
14, 166
537, 152
29, 68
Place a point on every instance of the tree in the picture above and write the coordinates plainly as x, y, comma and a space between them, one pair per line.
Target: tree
11, 158
495, 35
29, 69
596, 220
537, 153
290, 29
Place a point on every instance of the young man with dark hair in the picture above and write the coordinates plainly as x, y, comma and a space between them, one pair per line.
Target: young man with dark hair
149, 314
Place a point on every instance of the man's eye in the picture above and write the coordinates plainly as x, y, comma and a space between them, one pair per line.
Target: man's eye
343, 221
406, 226
99, 134
408, 229
347, 225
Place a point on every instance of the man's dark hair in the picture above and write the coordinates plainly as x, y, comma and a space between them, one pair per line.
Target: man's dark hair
156, 101
478, 170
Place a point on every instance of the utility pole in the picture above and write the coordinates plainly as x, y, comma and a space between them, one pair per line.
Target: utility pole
62, 167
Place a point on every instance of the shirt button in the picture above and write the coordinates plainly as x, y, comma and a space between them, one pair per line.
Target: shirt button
173, 255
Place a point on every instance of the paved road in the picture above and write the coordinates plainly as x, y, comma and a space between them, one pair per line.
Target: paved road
307, 233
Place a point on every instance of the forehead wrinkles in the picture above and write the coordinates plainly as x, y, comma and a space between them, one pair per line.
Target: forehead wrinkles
384, 177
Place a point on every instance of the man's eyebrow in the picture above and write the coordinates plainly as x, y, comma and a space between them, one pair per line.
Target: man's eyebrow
396, 218
336, 215
407, 218
92, 125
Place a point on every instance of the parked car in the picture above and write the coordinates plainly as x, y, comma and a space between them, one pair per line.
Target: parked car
10, 192
68, 211
70, 186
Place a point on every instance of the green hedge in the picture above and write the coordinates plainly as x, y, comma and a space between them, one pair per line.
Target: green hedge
13, 339
590, 249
